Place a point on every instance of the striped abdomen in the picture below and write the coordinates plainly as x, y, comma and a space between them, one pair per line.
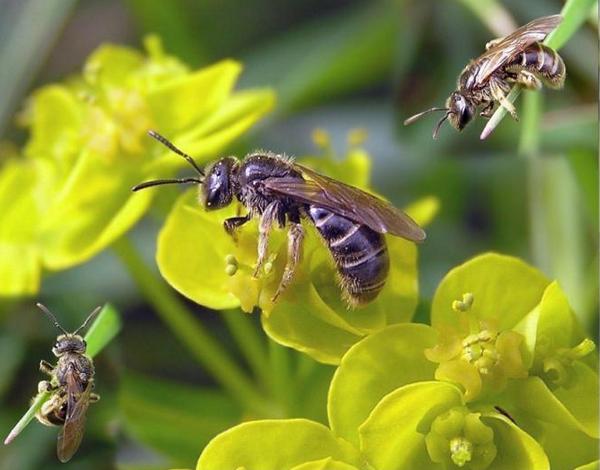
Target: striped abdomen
360, 255
542, 61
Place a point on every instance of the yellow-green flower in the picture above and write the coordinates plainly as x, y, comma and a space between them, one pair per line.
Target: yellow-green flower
475, 354
88, 147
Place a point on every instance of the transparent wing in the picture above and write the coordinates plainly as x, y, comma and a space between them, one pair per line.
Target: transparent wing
511, 45
72, 431
347, 201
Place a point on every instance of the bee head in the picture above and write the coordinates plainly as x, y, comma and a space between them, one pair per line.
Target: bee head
69, 343
460, 110
217, 187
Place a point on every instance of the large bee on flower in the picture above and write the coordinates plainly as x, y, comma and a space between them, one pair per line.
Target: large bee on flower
351, 222
519, 58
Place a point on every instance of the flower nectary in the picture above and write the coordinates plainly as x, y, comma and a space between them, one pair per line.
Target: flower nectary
475, 354
459, 439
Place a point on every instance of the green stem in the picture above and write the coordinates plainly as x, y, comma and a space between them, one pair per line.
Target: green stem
190, 331
250, 342
281, 379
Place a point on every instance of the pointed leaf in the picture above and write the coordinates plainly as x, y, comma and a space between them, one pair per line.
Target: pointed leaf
275, 445
376, 366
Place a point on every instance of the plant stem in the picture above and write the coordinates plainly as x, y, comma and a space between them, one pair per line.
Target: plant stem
556, 221
281, 379
190, 331
250, 342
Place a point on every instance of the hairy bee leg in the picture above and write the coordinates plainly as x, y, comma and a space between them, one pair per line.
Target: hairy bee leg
499, 96
94, 397
233, 223
295, 238
267, 219
488, 111
528, 80
45, 386
46, 367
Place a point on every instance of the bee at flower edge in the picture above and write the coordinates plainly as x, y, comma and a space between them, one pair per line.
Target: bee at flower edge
519, 58
70, 388
273, 188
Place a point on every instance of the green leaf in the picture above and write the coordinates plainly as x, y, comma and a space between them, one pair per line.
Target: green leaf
504, 289
325, 464
275, 445
174, 419
590, 466
516, 448
106, 326
575, 408
392, 437
374, 367
566, 448
574, 13
580, 396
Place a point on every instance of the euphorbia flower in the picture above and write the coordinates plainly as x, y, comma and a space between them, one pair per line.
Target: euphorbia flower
88, 146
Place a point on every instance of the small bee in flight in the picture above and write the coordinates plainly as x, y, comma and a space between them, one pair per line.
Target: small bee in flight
71, 384
518, 58
276, 190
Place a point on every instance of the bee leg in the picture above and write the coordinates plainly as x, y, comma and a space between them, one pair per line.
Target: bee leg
498, 94
295, 238
529, 80
267, 219
488, 111
46, 367
94, 397
45, 386
233, 223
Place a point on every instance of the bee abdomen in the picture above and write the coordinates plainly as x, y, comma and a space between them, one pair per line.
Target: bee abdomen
544, 62
360, 255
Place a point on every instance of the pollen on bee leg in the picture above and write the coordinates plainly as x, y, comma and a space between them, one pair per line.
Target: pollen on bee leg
231, 265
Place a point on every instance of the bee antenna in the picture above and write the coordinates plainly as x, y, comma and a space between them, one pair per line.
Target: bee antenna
436, 129
148, 184
45, 309
171, 146
88, 319
418, 116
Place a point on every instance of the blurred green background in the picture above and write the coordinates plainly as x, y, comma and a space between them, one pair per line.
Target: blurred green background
336, 65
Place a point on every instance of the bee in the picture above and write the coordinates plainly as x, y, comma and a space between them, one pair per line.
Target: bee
519, 58
277, 191
71, 384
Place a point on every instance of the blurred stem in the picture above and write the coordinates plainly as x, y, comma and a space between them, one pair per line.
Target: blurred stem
190, 331
250, 343
281, 379
556, 234
29, 29
493, 15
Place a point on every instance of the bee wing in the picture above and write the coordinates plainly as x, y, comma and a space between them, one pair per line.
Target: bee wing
71, 434
511, 45
347, 201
